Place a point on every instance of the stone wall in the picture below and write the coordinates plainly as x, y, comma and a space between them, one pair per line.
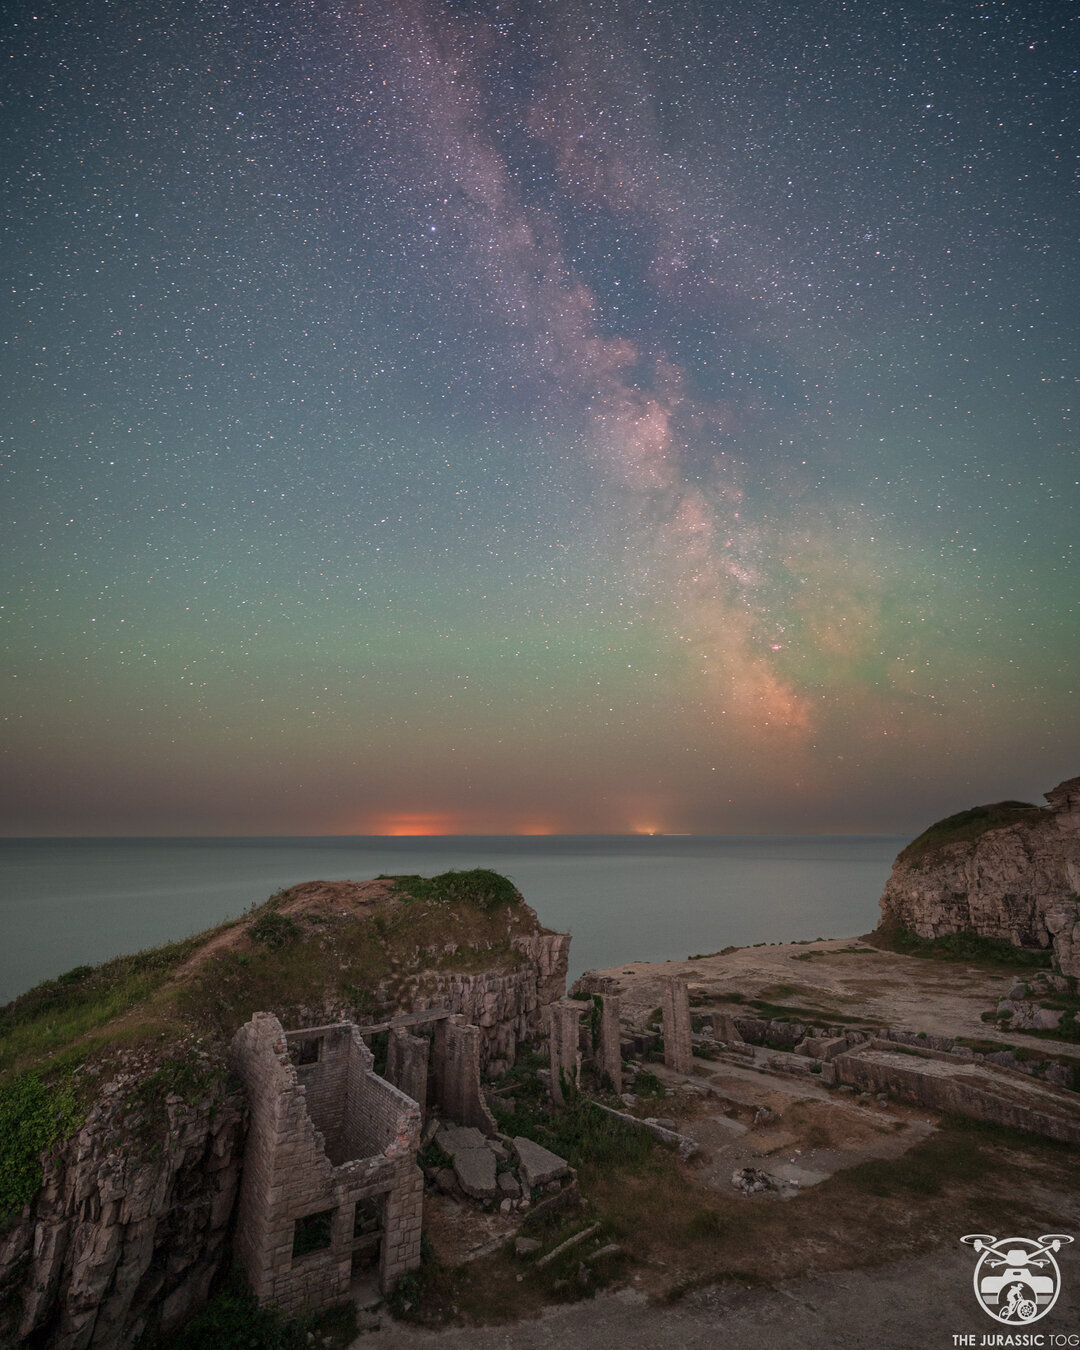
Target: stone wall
457, 1075
1017, 883
407, 1064
131, 1225
935, 1079
289, 1178
507, 1008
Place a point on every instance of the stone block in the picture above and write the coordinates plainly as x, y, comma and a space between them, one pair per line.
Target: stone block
538, 1164
508, 1184
474, 1169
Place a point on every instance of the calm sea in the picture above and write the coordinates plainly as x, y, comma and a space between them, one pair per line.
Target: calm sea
66, 902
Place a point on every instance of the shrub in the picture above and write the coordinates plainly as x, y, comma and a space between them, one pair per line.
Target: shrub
962, 946
233, 1321
647, 1084
33, 1117
274, 930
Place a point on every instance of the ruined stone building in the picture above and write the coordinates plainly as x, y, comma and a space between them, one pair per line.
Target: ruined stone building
330, 1181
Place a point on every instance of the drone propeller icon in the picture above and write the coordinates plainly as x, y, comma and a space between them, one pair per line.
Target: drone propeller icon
1016, 1256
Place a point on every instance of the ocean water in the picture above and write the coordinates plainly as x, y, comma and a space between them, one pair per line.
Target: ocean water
68, 902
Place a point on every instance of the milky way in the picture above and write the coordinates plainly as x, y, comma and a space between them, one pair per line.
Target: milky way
482, 417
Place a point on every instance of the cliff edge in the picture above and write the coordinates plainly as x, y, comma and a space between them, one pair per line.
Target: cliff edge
1009, 871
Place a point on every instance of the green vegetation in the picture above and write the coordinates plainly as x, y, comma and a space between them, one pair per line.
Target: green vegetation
481, 887
433, 1156
57, 1012
990, 953
233, 1321
836, 951
503, 1288
274, 930
968, 825
34, 1115
813, 1017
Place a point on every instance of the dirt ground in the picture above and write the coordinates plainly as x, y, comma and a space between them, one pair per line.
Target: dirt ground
841, 975
918, 1304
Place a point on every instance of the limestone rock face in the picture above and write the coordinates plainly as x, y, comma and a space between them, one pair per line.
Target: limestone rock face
507, 1008
1018, 883
130, 1226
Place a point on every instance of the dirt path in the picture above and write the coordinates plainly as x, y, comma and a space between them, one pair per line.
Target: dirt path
918, 1304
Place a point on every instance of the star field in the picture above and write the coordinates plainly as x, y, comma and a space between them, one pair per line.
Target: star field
488, 417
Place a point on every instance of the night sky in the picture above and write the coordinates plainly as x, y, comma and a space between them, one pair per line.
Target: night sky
482, 417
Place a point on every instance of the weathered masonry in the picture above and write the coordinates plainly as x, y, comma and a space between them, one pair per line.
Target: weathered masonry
330, 1182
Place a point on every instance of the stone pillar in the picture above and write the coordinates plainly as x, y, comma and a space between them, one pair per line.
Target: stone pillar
407, 1065
457, 1075
678, 1053
608, 1054
563, 1045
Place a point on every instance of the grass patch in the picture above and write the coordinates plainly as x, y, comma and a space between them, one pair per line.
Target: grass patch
988, 953
815, 1017
57, 1012
480, 886
274, 930
646, 1084
968, 825
501, 1288
836, 951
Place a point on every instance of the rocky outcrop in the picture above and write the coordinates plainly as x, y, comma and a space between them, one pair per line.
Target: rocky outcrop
130, 1226
1017, 882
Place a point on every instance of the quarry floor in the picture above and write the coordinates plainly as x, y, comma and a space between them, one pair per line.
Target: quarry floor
845, 976
800, 1133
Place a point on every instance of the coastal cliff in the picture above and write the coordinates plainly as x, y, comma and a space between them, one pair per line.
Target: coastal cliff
126, 1217
1010, 871
130, 1225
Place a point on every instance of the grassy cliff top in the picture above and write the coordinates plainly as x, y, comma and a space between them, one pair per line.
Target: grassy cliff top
315, 952
968, 825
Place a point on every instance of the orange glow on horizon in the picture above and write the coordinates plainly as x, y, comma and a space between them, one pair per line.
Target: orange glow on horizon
403, 823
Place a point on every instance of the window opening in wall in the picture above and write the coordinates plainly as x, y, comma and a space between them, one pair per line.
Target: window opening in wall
305, 1051
312, 1233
